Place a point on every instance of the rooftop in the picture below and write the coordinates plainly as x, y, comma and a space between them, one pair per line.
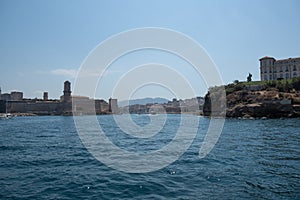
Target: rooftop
288, 59
266, 57
281, 60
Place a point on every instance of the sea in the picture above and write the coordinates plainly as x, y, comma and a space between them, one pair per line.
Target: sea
44, 157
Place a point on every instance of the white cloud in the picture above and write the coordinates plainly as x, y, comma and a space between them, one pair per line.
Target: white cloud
69, 73
72, 73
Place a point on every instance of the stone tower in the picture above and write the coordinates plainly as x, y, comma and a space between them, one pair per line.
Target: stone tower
67, 88
67, 91
45, 96
113, 106
267, 68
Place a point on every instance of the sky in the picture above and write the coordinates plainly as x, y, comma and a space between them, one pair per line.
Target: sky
44, 43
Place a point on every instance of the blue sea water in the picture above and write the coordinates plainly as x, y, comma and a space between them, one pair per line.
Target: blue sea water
43, 158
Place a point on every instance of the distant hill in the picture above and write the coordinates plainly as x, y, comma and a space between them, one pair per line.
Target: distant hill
143, 101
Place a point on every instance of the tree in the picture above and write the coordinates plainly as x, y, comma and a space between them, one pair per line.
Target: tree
279, 86
249, 77
296, 83
236, 82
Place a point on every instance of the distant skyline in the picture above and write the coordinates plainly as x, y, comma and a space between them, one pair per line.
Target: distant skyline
43, 43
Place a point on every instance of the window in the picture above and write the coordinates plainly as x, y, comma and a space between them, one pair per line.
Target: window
270, 77
275, 76
265, 69
287, 75
295, 68
280, 68
281, 75
265, 77
295, 74
287, 68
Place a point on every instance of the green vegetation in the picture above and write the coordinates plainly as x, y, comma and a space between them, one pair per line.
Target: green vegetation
236, 81
285, 85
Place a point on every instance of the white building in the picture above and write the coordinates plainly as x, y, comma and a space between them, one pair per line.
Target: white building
272, 69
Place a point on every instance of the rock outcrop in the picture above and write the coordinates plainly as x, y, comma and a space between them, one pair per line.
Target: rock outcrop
265, 102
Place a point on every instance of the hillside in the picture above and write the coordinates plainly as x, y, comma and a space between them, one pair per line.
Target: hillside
271, 99
143, 101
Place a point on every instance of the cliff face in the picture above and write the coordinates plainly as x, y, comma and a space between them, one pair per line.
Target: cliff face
271, 104
263, 101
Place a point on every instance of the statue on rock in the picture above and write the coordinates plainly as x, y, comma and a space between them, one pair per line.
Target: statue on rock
249, 77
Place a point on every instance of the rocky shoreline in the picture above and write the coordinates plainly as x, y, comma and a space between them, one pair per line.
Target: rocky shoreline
258, 101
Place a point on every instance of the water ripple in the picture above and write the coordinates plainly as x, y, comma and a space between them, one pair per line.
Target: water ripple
43, 158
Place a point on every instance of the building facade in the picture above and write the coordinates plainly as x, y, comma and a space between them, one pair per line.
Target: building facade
66, 97
45, 96
14, 103
13, 96
16, 96
272, 69
113, 106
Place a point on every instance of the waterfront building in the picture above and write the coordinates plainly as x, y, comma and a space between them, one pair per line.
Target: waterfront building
13, 96
113, 105
14, 103
272, 69
6, 97
45, 96
66, 97
16, 96
101, 106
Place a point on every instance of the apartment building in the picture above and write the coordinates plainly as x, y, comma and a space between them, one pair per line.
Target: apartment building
272, 69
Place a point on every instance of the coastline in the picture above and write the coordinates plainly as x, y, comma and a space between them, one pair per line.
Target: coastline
269, 99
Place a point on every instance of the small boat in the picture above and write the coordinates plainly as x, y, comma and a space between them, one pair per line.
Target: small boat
5, 115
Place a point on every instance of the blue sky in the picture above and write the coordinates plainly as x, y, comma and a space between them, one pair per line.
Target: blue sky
43, 43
